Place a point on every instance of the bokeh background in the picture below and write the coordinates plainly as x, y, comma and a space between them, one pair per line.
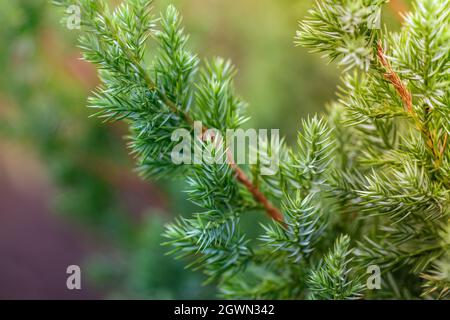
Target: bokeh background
68, 192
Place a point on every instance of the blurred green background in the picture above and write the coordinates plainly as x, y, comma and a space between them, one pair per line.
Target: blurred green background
68, 193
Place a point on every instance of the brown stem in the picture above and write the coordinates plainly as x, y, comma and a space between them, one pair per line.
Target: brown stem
272, 211
406, 97
241, 177
395, 80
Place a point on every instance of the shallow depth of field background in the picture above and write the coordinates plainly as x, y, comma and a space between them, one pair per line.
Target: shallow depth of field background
68, 193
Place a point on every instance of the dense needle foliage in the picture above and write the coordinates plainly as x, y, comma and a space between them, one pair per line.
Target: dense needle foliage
366, 185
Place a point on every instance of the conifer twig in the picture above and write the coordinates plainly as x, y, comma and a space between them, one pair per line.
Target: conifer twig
406, 97
271, 210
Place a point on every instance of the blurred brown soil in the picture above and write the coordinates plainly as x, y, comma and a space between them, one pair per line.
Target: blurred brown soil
36, 246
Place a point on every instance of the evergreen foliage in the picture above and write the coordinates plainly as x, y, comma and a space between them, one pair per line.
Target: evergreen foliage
376, 168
